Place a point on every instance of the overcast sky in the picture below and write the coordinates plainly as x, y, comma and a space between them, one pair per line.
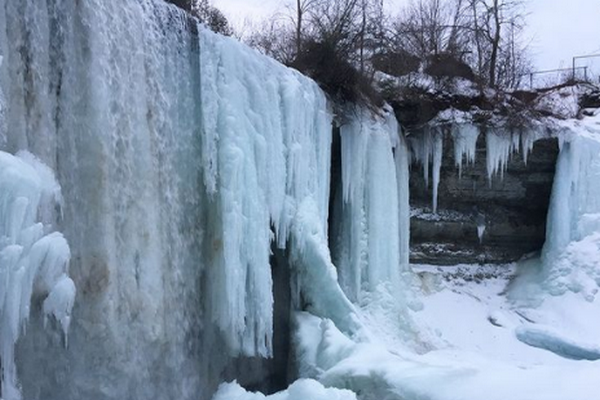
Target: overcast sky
558, 29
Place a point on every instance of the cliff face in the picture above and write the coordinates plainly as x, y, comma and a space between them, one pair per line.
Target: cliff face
482, 220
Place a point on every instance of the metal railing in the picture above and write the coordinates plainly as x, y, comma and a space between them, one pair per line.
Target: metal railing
556, 76
553, 77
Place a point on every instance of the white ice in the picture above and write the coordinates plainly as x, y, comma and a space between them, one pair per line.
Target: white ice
465, 143
33, 259
428, 149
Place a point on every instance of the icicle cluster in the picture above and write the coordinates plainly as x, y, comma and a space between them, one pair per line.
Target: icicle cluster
465, 144
33, 260
428, 149
372, 239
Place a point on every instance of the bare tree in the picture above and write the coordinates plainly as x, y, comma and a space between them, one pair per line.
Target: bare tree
496, 23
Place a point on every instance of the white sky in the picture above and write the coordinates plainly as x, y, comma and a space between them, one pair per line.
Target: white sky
559, 29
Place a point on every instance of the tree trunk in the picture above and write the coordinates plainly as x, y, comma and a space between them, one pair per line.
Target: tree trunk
298, 27
495, 44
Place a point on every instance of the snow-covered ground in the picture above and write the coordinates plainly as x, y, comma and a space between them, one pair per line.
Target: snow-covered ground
482, 342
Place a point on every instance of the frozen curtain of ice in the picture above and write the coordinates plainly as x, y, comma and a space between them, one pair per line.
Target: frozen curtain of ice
571, 254
182, 156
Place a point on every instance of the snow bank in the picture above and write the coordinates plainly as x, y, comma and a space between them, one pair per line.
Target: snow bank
33, 260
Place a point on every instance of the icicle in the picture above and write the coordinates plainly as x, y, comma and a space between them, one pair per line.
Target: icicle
428, 148
528, 138
465, 144
480, 232
437, 166
500, 146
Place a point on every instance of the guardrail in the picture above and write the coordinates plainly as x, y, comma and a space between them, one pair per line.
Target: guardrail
556, 76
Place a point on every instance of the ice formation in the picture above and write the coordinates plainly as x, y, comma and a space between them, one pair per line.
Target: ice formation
175, 189
480, 232
571, 254
268, 135
33, 259
371, 241
185, 159
428, 149
465, 143
500, 145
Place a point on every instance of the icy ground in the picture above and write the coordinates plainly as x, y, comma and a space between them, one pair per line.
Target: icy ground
484, 342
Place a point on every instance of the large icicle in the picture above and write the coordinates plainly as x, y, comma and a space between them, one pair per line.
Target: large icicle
33, 260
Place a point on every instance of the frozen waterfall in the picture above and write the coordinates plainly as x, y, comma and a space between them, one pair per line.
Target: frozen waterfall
183, 158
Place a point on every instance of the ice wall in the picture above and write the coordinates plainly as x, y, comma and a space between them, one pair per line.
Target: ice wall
182, 155
571, 254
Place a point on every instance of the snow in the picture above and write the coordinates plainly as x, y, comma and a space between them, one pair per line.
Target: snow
33, 261
477, 338
302, 389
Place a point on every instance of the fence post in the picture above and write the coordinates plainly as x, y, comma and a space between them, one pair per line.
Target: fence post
531, 81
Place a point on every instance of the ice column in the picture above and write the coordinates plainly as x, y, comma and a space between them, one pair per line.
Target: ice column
573, 230
371, 237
